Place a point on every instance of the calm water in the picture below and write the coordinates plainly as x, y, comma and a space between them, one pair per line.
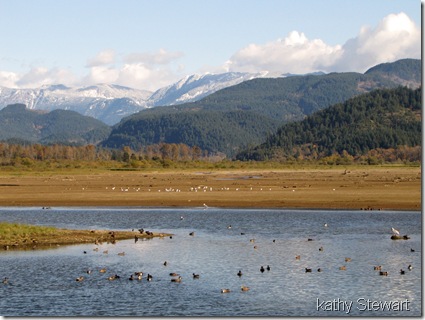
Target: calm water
42, 282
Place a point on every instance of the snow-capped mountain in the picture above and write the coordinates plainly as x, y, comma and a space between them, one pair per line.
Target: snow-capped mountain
110, 103
195, 87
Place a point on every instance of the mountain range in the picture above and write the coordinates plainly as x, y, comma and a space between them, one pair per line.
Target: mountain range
241, 116
383, 118
110, 103
20, 124
227, 121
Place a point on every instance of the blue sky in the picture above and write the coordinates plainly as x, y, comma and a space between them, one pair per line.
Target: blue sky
149, 44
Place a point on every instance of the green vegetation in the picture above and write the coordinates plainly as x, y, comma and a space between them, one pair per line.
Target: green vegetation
381, 125
16, 232
242, 116
58, 126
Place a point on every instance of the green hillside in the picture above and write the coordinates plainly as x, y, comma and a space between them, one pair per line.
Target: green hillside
385, 118
59, 126
240, 116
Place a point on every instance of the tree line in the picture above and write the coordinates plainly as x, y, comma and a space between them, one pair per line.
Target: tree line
28, 154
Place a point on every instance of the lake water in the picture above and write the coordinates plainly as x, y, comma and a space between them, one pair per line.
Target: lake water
42, 282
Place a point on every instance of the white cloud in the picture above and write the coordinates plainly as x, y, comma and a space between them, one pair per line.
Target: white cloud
395, 37
101, 74
105, 57
139, 75
294, 54
8, 79
39, 76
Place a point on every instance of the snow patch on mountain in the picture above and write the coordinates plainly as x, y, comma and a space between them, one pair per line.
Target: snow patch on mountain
110, 103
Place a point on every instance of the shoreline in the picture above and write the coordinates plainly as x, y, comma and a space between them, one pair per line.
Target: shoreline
367, 188
64, 237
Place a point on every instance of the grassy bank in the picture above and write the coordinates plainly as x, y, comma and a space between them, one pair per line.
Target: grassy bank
24, 236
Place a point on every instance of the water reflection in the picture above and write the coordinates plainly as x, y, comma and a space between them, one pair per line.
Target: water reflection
43, 282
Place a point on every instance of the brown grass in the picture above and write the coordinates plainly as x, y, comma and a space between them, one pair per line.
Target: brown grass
21, 236
336, 187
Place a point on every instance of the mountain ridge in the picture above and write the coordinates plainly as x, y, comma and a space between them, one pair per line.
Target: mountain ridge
58, 126
274, 101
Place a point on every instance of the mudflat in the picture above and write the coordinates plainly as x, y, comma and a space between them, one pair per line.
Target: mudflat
370, 188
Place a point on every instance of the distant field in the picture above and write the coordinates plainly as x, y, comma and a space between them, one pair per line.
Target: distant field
357, 187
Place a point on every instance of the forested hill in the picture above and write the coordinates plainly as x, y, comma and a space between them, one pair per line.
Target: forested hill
19, 124
240, 116
385, 118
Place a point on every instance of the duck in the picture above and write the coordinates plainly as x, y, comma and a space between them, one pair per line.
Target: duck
402, 271
115, 276
192, 233
173, 274
131, 278
262, 269
240, 273
268, 268
307, 269
343, 268
88, 271
378, 268
347, 259
165, 263
225, 290
321, 249
149, 277
383, 273
121, 253
79, 279
410, 267
244, 288
195, 276
5, 280
102, 270
298, 257
319, 270
179, 279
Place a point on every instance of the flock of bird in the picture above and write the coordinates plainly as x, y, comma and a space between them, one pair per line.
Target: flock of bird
177, 278
201, 188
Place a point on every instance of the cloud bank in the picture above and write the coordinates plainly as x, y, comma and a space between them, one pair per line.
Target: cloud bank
395, 37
